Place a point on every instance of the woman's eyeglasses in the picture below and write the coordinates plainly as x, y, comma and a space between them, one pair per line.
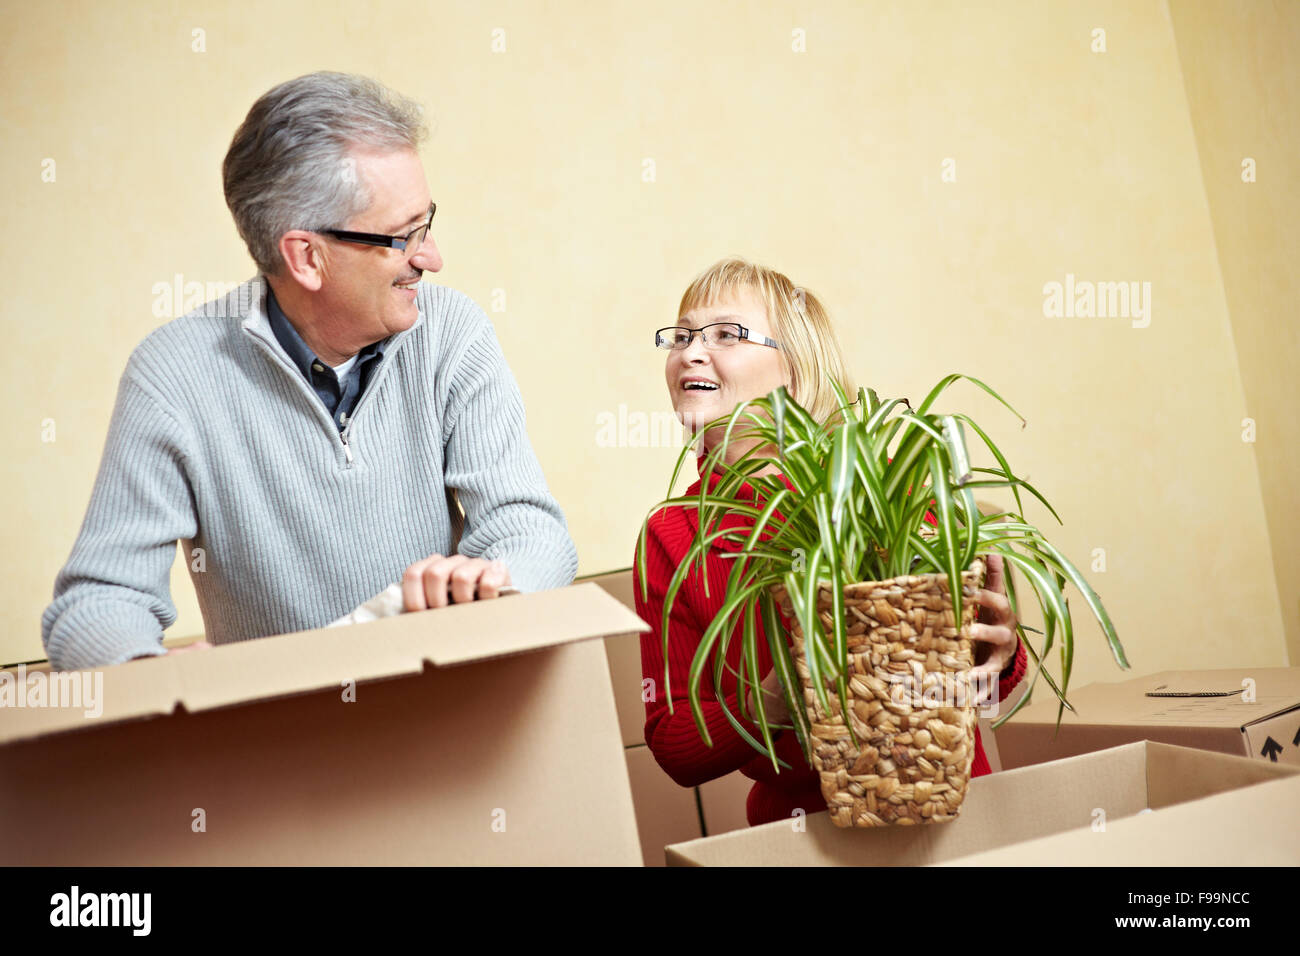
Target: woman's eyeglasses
717, 335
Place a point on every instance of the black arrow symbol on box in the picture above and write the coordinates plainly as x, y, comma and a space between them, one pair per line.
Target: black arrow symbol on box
1271, 749
1295, 741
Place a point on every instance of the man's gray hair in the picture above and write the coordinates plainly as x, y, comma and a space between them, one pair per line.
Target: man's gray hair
290, 165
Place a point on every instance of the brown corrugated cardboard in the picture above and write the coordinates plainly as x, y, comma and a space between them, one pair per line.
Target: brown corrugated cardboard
1259, 716
625, 662
1007, 809
1251, 827
482, 734
989, 741
723, 803
665, 812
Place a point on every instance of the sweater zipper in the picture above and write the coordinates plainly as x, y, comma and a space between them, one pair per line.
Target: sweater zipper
371, 387
341, 437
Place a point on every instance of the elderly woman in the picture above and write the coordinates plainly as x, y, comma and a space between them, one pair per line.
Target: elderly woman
742, 330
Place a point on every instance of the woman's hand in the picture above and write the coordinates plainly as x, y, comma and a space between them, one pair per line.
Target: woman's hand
997, 630
774, 708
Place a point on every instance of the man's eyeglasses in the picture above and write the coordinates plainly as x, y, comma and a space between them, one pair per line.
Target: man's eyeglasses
411, 241
717, 335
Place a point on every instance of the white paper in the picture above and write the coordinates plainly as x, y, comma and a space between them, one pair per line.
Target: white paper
387, 603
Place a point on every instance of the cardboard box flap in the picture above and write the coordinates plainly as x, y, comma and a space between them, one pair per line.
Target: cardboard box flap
625, 668
576, 613
307, 661
1276, 690
144, 688
1254, 826
1179, 774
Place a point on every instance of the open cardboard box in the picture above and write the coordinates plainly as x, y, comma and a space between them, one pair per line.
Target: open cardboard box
1258, 715
1206, 808
482, 733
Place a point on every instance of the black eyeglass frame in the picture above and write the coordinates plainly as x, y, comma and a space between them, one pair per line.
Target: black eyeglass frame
745, 334
379, 239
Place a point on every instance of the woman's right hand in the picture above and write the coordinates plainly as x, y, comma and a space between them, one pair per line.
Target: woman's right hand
773, 700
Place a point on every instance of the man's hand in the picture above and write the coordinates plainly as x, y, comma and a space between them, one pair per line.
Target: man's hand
440, 580
198, 645
997, 633
194, 646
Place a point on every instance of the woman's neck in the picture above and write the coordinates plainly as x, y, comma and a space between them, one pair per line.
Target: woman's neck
735, 452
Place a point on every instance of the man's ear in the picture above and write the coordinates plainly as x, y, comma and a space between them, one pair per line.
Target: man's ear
303, 256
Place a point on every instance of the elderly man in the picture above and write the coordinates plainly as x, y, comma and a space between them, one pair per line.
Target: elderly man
301, 437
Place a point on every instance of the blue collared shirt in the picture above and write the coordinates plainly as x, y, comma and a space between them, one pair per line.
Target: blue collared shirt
339, 398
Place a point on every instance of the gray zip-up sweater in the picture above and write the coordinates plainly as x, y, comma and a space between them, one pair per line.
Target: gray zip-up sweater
218, 442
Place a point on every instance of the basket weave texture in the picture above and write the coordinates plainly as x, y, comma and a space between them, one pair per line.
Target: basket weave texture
910, 707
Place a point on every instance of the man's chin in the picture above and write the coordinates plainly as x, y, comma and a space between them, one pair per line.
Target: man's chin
403, 319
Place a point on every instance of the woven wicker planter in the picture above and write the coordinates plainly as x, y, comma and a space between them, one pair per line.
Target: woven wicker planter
916, 730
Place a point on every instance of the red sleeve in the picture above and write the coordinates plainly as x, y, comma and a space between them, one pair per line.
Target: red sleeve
1013, 673
674, 738
788, 749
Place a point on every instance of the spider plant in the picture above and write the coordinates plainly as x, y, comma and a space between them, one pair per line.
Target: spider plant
850, 516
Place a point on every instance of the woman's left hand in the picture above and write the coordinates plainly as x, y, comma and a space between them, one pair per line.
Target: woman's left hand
997, 630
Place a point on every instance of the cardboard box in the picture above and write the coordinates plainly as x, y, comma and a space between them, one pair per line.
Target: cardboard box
1266, 728
989, 740
722, 802
625, 662
665, 812
1255, 826
1058, 805
478, 734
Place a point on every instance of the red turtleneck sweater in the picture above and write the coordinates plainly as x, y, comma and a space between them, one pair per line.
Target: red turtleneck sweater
673, 738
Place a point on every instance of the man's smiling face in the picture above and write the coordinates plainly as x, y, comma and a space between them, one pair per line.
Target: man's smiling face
371, 287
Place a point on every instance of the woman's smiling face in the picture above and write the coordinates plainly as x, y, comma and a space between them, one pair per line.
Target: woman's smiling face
708, 383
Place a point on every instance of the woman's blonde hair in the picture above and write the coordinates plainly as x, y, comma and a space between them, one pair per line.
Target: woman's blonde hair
799, 323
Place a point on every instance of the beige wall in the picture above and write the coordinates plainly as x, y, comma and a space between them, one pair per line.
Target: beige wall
1243, 90
824, 163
